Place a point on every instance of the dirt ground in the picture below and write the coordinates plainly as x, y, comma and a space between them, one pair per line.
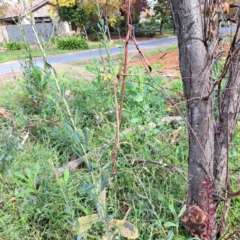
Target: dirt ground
168, 61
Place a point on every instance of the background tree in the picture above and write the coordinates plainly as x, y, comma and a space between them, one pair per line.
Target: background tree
163, 13
75, 15
211, 121
109, 10
137, 7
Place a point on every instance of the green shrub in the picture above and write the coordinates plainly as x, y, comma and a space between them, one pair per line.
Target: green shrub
95, 37
140, 34
14, 46
151, 34
72, 43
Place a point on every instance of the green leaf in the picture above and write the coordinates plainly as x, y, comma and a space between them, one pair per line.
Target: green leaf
130, 85
63, 90
171, 208
138, 98
86, 188
170, 235
84, 223
86, 137
125, 228
141, 196
134, 120
182, 211
91, 69
104, 180
169, 224
75, 135
66, 176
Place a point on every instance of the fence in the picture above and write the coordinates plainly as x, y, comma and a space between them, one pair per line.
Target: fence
44, 30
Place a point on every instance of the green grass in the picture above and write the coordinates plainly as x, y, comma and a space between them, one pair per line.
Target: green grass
46, 211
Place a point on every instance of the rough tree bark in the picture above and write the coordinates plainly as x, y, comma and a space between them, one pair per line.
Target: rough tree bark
195, 66
209, 142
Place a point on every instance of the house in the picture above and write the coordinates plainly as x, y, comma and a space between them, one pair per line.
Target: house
41, 13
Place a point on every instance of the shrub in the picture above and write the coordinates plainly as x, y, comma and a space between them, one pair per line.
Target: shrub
14, 46
140, 34
151, 34
72, 43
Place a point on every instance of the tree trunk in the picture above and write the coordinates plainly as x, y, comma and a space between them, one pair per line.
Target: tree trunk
161, 28
195, 66
227, 121
225, 127
107, 25
208, 143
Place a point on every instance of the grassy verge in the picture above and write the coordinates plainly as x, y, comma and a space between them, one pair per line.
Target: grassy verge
152, 196
20, 54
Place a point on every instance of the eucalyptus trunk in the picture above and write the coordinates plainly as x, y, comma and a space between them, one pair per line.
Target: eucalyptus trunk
196, 66
209, 141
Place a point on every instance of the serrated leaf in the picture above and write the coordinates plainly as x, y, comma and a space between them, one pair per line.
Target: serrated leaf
125, 228
84, 223
169, 224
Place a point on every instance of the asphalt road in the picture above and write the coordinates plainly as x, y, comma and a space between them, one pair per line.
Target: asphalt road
15, 66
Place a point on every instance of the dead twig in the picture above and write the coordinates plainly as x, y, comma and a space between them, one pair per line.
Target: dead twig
170, 168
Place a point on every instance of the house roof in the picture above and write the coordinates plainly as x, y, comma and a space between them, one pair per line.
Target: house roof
10, 11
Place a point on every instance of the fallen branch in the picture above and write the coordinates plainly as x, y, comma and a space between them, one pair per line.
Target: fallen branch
80, 161
77, 162
73, 164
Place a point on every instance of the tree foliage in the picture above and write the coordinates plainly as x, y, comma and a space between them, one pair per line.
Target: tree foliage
162, 12
110, 9
76, 15
137, 7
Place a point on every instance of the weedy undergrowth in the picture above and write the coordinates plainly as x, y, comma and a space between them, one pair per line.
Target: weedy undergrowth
36, 80
105, 73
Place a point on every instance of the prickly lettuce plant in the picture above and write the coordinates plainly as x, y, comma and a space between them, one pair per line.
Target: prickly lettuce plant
200, 221
208, 188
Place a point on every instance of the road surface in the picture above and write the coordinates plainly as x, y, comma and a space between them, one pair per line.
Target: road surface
15, 66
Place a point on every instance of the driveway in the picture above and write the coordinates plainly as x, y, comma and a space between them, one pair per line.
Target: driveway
15, 66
